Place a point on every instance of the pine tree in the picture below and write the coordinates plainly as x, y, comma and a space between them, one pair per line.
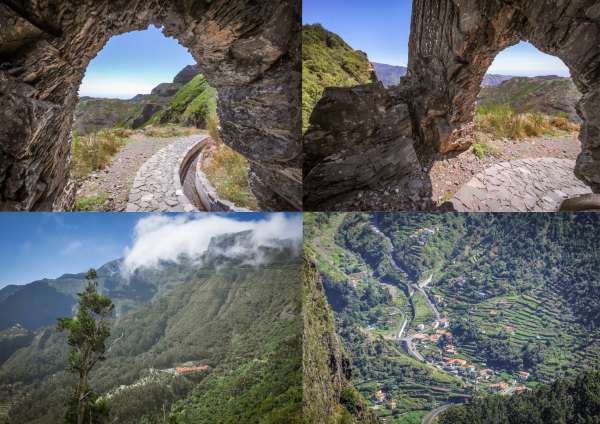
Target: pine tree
88, 331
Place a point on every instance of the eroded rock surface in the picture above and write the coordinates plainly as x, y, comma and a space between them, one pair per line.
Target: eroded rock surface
248, 51
454, 42
359, 139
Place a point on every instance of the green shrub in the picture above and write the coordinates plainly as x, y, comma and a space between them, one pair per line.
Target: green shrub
93, 152
90, 203
503, 121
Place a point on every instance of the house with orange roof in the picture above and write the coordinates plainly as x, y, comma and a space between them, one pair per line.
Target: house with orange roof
523, 375
455, 362
191, 370
379, 395
498, 387
420, 337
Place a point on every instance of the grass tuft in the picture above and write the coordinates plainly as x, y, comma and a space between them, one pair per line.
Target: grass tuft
503, 121
90, 203
93, 152
228, 170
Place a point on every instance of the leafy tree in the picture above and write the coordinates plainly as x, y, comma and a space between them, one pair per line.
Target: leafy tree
88, 331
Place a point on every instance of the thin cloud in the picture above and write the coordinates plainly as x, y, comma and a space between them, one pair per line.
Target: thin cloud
160, 238
71, 247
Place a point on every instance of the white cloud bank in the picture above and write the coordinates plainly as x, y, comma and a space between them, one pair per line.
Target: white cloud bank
164, 238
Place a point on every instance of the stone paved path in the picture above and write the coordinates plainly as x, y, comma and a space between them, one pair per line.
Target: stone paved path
157, 186
527, 185
114, 182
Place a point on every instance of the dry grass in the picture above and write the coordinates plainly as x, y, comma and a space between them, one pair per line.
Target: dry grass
502, 121
94, 151
166, 131
228, 171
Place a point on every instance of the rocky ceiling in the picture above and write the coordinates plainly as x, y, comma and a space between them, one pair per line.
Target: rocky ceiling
248, 49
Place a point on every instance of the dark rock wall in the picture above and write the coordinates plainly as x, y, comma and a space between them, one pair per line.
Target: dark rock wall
248, 50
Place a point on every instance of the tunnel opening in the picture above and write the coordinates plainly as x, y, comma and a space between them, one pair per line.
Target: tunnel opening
251, 58
525, 130
144, 112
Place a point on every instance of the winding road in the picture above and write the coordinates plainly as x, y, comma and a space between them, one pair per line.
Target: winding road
408, 341
429, 418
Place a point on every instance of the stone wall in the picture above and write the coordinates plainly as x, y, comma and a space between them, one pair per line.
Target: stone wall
249, 51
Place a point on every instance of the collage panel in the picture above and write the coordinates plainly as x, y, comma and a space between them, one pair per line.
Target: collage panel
451, 318
159, 106
146, 318
442, 105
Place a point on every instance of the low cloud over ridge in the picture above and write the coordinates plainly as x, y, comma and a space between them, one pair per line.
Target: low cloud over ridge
164, 238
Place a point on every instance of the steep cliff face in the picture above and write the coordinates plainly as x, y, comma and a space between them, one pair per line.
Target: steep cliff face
249, 51
329, 397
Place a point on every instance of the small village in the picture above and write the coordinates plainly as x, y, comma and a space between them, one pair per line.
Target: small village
433, 343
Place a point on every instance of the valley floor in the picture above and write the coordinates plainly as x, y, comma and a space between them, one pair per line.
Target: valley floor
450, 175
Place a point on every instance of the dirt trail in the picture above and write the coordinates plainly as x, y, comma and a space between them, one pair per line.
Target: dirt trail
115, 181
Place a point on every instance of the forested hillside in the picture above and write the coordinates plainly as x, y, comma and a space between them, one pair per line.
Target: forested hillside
568, 401
434, 309
236, 326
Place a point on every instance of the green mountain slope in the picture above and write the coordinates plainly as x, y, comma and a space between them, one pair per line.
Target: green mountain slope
328, 61
38, 304
188, 101
242, 321
553, 96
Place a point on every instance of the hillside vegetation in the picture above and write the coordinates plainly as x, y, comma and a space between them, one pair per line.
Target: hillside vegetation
523, 107
242, 322
328, 61
569, 401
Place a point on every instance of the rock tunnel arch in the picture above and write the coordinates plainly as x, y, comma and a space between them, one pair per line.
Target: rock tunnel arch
248, 50
401, 131
453, 43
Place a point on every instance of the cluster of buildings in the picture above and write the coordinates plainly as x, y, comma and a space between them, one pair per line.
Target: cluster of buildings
422, 234
379, 398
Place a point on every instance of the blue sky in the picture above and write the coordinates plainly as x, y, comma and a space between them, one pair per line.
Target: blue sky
134, 63
381, 29
46, 245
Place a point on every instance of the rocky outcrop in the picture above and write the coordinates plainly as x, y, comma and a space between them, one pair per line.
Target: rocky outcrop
249, 51
186, 74
453, 43
359, 139
166, 89
328, 394
148, 110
